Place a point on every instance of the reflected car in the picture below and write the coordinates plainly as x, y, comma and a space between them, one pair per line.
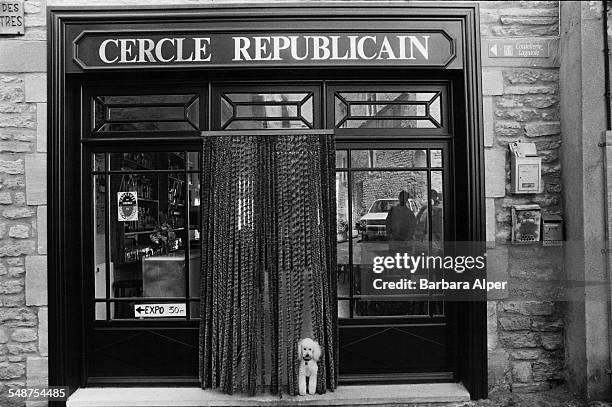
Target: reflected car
372, 225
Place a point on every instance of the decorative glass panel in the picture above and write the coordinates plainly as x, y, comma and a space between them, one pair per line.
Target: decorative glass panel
146, 113
388, 110
266, 110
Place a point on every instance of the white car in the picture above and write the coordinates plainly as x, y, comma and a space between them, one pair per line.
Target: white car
372, 225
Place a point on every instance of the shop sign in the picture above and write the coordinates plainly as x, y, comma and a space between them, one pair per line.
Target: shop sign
95, 50
11, 17
518, 48
160, 310
127, 206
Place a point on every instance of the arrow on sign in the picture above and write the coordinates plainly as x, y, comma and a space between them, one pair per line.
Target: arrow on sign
493, 49
139, 309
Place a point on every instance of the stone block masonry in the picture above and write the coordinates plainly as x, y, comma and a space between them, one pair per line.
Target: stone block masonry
521, 102
23, 263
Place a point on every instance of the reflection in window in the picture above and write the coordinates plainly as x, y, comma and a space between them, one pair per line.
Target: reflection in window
388, 109
388, 159
146, 113
376, 178
266, 110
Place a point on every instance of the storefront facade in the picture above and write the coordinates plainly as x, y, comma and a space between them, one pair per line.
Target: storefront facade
278, 73
417, 98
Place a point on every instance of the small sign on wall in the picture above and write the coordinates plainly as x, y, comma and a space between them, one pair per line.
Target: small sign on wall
127, 206
519, 48
11, 17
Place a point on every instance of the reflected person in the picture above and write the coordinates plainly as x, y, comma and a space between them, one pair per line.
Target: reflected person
401, 225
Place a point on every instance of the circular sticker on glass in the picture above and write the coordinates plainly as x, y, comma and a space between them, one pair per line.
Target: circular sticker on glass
127, 205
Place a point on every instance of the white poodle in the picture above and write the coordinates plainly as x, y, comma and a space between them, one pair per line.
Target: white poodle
309, 353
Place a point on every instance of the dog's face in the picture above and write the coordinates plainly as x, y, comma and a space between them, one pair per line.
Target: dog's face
309, 350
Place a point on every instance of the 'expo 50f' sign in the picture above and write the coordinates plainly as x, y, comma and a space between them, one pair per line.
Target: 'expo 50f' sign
96, 50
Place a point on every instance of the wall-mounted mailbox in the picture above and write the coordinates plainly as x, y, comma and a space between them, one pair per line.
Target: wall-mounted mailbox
526, 223
552, 230
526, 168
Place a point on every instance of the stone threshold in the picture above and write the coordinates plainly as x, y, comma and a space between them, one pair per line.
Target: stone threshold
395, 394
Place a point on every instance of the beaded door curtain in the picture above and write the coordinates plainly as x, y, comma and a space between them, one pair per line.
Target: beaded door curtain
268, 260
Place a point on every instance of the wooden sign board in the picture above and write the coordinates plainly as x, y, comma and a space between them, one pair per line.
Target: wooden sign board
11, 17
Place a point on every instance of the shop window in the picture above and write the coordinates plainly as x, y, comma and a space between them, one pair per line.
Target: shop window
266, 110
145, 113
147, 232
366, 191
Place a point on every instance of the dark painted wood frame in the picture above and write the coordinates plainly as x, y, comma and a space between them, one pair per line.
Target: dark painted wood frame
64, 309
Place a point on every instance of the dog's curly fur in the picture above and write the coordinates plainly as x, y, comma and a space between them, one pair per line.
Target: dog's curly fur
309, 353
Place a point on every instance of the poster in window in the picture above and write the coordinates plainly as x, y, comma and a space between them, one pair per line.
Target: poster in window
127, 206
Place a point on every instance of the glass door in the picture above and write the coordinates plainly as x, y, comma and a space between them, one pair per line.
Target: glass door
383, 333
145, 271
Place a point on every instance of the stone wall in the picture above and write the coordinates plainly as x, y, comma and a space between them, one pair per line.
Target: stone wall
23, 199
521, 102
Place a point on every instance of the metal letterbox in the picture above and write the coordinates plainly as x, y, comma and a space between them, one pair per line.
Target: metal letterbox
526, 168
526, 223
552, 230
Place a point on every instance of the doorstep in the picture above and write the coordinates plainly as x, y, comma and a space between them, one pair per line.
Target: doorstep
429, 393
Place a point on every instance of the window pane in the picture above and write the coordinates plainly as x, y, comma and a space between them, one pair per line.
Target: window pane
379, 110
387, 96
146, 113
341, 158
195, 230
344, 228
143, 161
193, 160
266, 124
388, 158
380, 123
436, 158
99, 162
102, 275
266, 110
409, 109
344, 309
391, 308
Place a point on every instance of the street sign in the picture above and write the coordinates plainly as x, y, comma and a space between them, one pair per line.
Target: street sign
160, 310
11, 17
519, 48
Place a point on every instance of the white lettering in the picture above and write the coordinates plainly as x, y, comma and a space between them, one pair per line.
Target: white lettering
241, 46
102, 51
262, 53
277, 47
360, 46
125, 50
335, 47
201, 53
422, 48
145, 48
179, 51
320, 47
294, 47
386, 48
159, 50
